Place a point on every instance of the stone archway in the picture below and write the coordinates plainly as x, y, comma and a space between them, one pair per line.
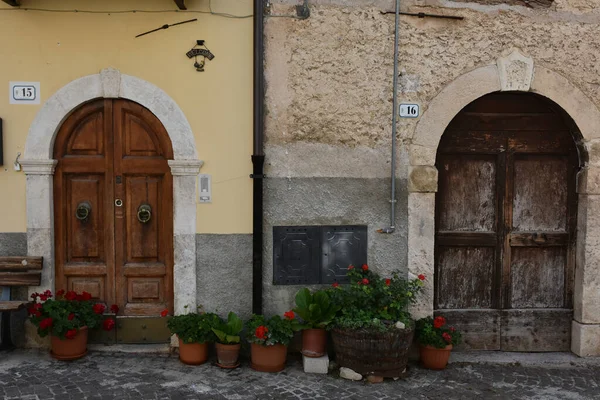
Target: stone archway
512, 72
39, 166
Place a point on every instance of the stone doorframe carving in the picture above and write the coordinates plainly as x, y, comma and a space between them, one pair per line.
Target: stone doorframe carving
39, 167
512, 72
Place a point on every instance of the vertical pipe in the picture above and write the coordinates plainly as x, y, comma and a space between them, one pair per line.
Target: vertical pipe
258, 159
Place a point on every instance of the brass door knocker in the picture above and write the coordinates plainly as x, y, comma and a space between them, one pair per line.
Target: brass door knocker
83, 211
144, 213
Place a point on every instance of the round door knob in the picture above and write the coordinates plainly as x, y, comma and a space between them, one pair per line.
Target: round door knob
144, 213
83, 211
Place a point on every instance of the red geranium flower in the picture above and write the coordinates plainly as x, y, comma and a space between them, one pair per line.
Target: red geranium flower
85, 296
421, 277
48, 293
446, 336
164, 313
114, 309
289, 315
71, 316
365, 267
452, 329
60, 292
365, 281
46, 323
43, 297
34, 295
71, 295
351, 266
261, 332
71, 333
388, 282
99, 308
438, 322
108, 324
335, 284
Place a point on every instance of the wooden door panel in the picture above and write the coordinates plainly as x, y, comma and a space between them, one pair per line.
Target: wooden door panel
537, 277
85, 238
139, 140
536, 330
469, 190
94, 285
480, 329
142, 239
88, 136
540, 194
465, 277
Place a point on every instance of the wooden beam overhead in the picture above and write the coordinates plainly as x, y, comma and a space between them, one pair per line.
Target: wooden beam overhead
180, 4
16, 3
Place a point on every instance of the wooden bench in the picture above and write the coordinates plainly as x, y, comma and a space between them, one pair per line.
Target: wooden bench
15, 271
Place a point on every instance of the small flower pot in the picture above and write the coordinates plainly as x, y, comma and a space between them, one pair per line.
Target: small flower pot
268, 358
227, 355
314, 342
70, 349
193, 353
434, 358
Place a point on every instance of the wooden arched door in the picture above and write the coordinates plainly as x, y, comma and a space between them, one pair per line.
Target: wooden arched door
113, 207
506, 223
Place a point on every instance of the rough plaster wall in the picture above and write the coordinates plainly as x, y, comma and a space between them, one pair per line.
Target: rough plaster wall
13, 244
329, 77
224, 273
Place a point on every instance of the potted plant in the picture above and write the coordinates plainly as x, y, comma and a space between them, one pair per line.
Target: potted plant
316, 311
269, 338
67, 319
194, 331
436, 340
228, 341
373, 330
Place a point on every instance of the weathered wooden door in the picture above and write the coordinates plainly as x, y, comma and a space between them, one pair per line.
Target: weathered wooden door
113, 207
505, 224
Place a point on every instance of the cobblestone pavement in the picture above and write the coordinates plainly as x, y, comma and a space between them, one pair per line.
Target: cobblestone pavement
27, 374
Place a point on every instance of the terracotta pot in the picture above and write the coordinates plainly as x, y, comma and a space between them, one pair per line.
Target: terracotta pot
268, 358
314, 342
193, 353
70, 349
227, 355
434, 358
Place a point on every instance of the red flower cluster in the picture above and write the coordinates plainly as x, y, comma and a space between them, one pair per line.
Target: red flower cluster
335, 284
43, 296
261, 332
35, 310
351, 266
60, 292
71, 295
71, 333
388, 282
46, 323
289, 315
114, 309
446, 336
99, 308
85, 296
438, 322
108, 324
164, 313
421, 277
365, 267
71, 316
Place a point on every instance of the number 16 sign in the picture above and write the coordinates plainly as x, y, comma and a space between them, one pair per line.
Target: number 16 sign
409, 110
24, 92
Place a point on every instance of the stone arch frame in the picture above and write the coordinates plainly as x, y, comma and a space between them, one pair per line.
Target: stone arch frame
512, 72
39, 166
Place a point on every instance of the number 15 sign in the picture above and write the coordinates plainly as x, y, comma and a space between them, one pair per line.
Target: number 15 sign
24, 92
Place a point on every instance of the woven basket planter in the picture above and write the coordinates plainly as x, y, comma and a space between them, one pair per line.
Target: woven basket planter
373, 353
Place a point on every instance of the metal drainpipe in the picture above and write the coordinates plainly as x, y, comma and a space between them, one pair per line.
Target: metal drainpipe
392, 227
258, 159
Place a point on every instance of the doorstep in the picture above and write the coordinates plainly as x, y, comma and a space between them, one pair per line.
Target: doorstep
558, 359
132, 348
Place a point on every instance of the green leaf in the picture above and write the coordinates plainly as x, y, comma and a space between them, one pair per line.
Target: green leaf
303, 298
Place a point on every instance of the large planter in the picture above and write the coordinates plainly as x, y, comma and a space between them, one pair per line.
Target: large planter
227, 355
314, 342
70, 349
268, 358
373, 353
193, 353
434, 358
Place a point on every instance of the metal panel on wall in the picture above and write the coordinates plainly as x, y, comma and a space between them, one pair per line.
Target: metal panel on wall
296, 255
341, 247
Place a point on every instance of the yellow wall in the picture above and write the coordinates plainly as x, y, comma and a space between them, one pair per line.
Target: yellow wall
56, 48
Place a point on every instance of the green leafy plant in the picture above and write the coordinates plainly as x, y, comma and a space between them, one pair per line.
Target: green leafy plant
229, 332
193, 327
64, 315
436, 333
270, 331
315, 309
373, 302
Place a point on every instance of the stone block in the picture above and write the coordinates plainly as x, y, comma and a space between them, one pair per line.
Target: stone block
588, 180
316, 365
350, 374
585, 339
422, 179
515, 71
422, 155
